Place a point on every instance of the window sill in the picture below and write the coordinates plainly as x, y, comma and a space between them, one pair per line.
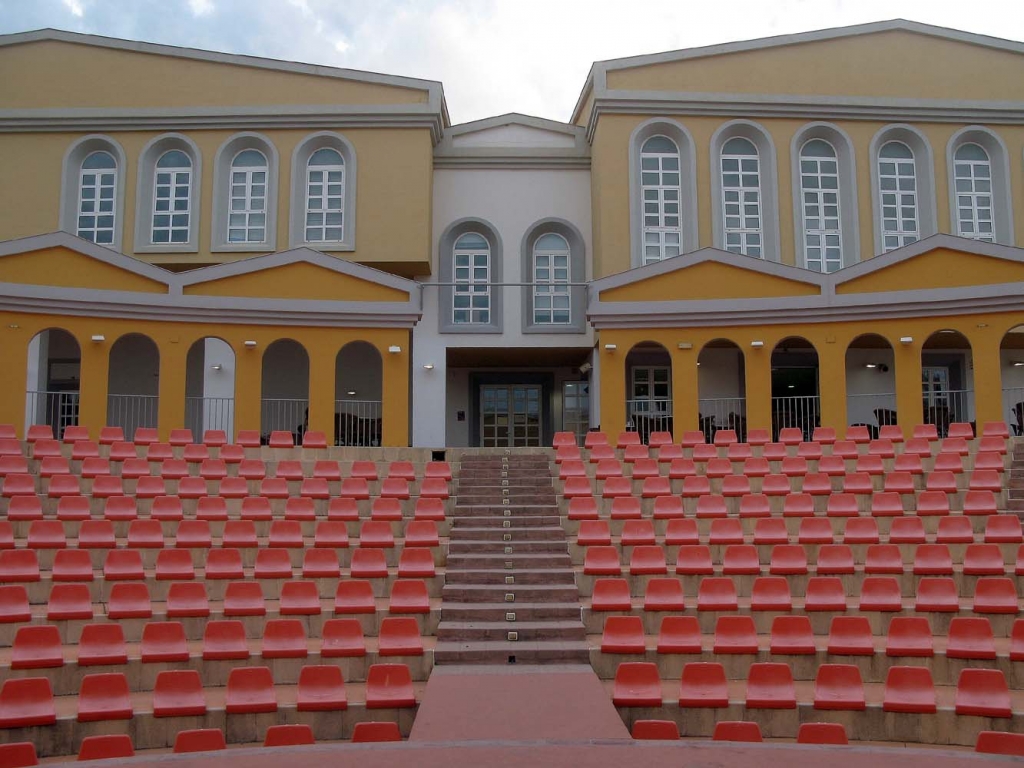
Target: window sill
167, 248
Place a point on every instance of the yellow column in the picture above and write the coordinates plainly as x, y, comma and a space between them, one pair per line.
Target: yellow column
248, 387
13, 376
759, 387
321, 393
909, 404
395, 392
685, 407
613, 387
94, 372
988, 381
832, 384
171, 408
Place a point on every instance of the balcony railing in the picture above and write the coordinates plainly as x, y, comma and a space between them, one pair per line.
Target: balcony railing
203, 413
946, 407
282, 414
357, 422
648, 415
58, 409
131, 412
800, 411
1013, 402
872, 410
723, 413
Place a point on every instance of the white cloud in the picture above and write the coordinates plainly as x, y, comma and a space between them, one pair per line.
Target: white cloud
75, 7
201, 7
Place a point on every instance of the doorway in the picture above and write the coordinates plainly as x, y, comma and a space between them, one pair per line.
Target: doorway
511, 415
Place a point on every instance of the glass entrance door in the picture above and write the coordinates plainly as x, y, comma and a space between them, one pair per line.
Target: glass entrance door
510, 416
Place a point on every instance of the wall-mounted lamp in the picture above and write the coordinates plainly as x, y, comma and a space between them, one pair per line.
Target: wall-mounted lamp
428, 366
351, 393
1017, 363
757, 344
870, 365
685, 345
610, 347
216, 367
250, 344
99, 337
14, 326
394, 349
906, 339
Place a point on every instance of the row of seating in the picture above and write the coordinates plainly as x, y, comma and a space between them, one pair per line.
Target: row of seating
108, 435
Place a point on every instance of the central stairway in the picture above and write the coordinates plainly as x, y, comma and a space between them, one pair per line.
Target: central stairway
510, 596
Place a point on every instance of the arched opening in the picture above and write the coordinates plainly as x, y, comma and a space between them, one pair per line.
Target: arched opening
796, 400
53, 381
648, 389
1011, 367
284, 402
358, 395
871, 382
947, 380
721, 388
133, 383
210, 386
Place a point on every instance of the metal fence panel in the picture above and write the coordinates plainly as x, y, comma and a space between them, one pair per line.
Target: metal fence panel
357, 422
131, 412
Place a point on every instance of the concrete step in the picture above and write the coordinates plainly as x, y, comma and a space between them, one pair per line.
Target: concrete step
499, 612
497, 546
505, 652
520, 522
528, 498
468, 631
557, 576
499, 510
509, 562
495, 593
469, 532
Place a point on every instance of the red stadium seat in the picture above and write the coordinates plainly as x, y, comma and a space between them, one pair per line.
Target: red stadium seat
250, 690
910, 636
970, 638
834, 559
740, 559
102, 645
409, 596
399, 636
354, 596
717, 594
770, 686
821, 733
770, 530
839, 687
655, 730
735, 634
792, 635
321, 689
368, 733
284, 639
680, 531
880, 593
623, 634
178, 693
664, 595
129, 600
860, 530
224, 564
994, 594
909, 689
679, 634
610, 595
637, 684
825, 593
788, 559
163, 641
983, 692
187, 599
734, 730
244, 598
770, 593
342, 638
389, 686
937, 595
106, 747
199, 740
104, 696
602, 561
19, 754
224, 640
37, 647
694, 560
1000, 743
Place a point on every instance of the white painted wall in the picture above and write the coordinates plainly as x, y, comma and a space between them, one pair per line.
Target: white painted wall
861, 382
720, 374
512, 201
1013, 381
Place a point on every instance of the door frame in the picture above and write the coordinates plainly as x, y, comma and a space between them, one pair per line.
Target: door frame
546, 381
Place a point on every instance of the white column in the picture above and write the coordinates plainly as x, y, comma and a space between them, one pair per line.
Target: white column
36, 380
595, 389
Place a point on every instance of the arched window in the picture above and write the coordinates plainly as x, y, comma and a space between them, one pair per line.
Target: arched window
97, 198
172, 198
898, 195
247, 220
819, 191
972, 170
741, 197
471, 262
551, 278
660, 192
325, 197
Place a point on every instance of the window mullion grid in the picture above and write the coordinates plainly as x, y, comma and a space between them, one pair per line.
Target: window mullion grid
171, 223
822, 229
97, 191
741, 205
325, 209
897, 180
975, 174
552, 303
472, 291
662, 237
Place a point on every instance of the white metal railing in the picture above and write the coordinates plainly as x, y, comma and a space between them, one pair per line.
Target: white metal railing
1013, 407
58, 409
357, 422
283, 414
203, 413
873, 410
131, 412
800, 411
945, 407
648, 415
723, 413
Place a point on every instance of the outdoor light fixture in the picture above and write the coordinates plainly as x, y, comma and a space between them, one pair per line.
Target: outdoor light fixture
216, 367
351, 393
1018, 363
14, 326
685, 345
428, 366
250, 344
610, 347
757, 344
870, 365
99, 337
394, 349
906, 339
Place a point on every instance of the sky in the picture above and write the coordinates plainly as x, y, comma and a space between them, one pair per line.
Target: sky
493, 56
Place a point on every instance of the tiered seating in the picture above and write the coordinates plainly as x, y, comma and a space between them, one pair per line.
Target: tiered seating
836, 575
207, 580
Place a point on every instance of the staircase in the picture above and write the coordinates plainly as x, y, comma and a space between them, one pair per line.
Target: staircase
510, 595
1015, 481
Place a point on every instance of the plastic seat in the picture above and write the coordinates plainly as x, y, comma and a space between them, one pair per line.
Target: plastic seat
610, 595
695, 486
839, 687
321, 689
69, 602
26, 702
342, 638
145, 534
770, 686
703, 453
995, 594
618, 488
954, 530
248, 438
792, 635
250, 690
199, 740
775, 485
314, 439
284, 639
681, 531
735, 634
320, 563
770, 530
815, 530
740, 559
937, 595
389, 686
933, 560
717, 594
679, 634
623, 634
1003, 529
239, 534
120, 508
910, 636
860, 530
694, 560
178, 693
770, 593
931, 503
883, 558
794, 466
37, 647
409, 596
880, 593
129, 600
399, 636
664, 595
187, 599
244, 598
46, 534
983, 692
655, 730
174, 565
842, 505
594, 533
256, 509
368, 564
354, 596
667, 507
370, 733
273, 564
19, 754
788, 559
970, 638
726, 531
102, 645
602, 561
835, 559
280, 439
822, 733
104, 696
224, 564
909, 689
164, 641
24, 508
71, 565
825, 593
14, 605
224, 639
983, 560
637, 684
106, 747
582, 507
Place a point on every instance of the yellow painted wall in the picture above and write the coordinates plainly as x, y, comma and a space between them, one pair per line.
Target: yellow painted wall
393, 191
941, 268
831, 340
300, 280
885, 64
63, 268
53, 73
710, 280
174, 341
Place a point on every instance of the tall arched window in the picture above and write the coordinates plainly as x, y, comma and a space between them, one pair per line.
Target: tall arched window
172, 198
819, 191
247, 217
972, 170
325, 197
897, 195
97, 198
471, 261
660, 191
551, 278
741, 197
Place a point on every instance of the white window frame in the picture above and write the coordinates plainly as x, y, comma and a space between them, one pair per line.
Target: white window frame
893, 202
737, 199
827, 237
102, 179
248, 209
325, 210
471, 284
667, 239
548, 286
174, 183
651, 403
969, 195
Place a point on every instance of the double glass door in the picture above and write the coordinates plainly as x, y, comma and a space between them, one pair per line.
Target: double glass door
510, 416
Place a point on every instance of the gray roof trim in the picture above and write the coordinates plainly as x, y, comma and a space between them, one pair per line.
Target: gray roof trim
90, 249
577, 156
515, 118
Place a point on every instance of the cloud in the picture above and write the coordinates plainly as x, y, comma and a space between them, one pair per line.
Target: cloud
75, 7
201, 7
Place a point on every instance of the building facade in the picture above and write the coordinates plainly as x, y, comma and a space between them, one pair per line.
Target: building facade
813, 229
